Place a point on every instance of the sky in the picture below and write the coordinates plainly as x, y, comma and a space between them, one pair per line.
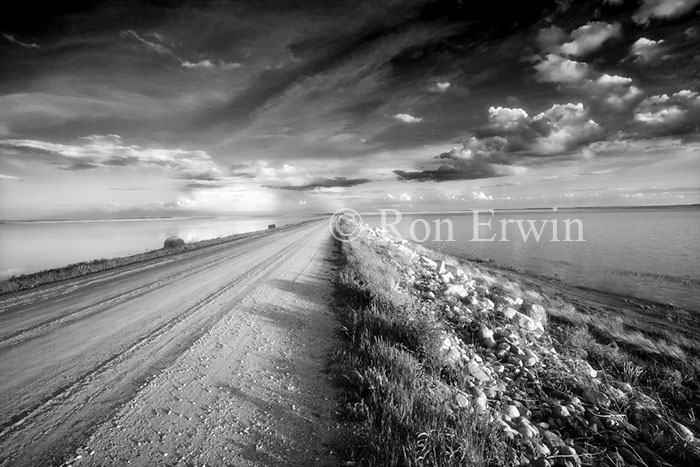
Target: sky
128, 109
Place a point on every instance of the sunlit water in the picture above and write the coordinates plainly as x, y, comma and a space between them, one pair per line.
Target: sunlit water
649, 253
32, 246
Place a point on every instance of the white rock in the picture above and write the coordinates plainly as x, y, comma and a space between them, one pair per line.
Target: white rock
543, 450
453, 357
406, 251
484, 332
461, 400
529, 360
511, 410
585, 368
535, 311
509, 312
527, 323
457, 290
685, 433
475, 370
479, 398
440, 267
489, 342
446, 344
561, 412
515, 302
527, 431
447, 277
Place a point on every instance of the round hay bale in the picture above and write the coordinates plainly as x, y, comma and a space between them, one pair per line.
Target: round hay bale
173, 242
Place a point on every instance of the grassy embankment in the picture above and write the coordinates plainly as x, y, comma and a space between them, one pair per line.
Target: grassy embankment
401, 394
28, 281
393, 378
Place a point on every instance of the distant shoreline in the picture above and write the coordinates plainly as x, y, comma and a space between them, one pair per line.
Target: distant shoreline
544, 209
132, 219
460, 211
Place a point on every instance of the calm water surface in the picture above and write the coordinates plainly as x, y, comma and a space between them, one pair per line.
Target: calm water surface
647, 253
32, 246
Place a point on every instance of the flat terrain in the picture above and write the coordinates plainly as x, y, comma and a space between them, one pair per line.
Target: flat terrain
213, 356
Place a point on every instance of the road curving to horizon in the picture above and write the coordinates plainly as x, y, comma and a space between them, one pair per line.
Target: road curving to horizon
211, 356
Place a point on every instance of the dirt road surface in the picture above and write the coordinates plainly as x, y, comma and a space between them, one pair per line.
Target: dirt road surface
209, 357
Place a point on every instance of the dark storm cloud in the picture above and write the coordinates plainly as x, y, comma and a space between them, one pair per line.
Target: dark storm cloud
80, 165
202, 177
316, 55
329, 47
337, 182
287, 80
339, 65
461, 170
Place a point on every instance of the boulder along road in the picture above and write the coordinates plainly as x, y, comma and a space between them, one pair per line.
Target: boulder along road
211, 356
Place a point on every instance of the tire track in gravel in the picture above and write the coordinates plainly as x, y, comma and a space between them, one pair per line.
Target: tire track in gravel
45, 430
35, 330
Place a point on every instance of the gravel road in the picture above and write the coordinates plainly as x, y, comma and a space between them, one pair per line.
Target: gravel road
213, 356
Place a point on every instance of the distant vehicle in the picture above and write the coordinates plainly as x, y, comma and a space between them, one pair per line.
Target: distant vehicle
272, 226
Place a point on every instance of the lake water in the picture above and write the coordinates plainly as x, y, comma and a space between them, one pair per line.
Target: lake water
32, 246
651, 253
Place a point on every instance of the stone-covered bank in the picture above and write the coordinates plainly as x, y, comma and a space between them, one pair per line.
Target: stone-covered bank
500, 357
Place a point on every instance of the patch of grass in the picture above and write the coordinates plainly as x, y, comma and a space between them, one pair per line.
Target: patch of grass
391, 376
664, 376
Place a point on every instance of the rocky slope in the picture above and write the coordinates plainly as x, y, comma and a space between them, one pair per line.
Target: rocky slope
554, 409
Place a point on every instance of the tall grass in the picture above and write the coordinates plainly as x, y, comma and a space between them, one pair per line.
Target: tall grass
391, 375
662, 369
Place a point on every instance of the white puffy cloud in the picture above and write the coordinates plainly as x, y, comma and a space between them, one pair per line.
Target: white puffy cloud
505, 118
684, 98
613, 80
616, 91
674, 113
557, 130
569, 125
620, 100
662, 116
645, 50
564, 113
556, 69
590, 37
691, 97
406, 118
663, 9
8, 177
